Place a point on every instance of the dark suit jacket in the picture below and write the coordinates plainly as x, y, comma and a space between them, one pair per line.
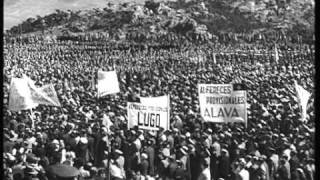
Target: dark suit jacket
150, 153
144, 166
224, 167
171, 169
8, 146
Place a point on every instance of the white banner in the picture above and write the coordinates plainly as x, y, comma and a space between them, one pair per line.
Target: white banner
51, 96
158, 101
303, 98
20, 95
107, 83
150, 117
221, 104
45, 95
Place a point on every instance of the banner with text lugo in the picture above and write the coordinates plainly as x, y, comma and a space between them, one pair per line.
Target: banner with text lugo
220, 103
147, 117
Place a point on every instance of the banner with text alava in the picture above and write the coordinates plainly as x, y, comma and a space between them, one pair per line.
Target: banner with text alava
20, 95
107, 83
149, 117
222, 103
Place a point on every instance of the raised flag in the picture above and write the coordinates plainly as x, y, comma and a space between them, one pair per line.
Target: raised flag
107, 83
45, 95
50, 96
303, 97
20, 95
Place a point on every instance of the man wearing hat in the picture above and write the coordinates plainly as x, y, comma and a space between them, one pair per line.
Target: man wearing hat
91, 145
294, 161
151, 155
243, 173
162, 165
120, 161
182, 155
194, 159
255, 170
8, 143
205, 171
265, 167
144, 165
309, 169
216, 152
128, 153
170, 138
30, 173
180, 173
115, 171
224, 164
102, 142
284, 168
272, 161
82, 147
134, 157
172, 166
137, 142
206, 140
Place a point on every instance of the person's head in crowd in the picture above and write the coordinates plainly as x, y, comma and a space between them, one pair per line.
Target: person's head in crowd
242, 163
88, 166
31, 173
284, 158
204, 164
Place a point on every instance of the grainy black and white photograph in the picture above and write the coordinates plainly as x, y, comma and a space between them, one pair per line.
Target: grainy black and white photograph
159, 90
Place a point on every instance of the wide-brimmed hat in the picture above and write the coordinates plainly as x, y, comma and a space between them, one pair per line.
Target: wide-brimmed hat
31, 158
30, 170
118, 151
63, 171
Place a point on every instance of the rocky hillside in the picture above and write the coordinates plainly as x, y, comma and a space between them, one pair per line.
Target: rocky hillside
206, 17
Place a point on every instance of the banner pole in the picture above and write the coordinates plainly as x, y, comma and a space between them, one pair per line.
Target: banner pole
32, 120
246, 115
168, 125
100, 129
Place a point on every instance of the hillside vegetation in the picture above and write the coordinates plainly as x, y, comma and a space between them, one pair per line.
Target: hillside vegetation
208, 17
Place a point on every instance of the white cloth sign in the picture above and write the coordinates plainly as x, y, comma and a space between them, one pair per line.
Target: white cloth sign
221, 104
107, 83
303, 98
150, 117
45, 95
20, 95
51, 96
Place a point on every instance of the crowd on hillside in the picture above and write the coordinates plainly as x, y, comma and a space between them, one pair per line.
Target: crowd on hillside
276, 145
161, 37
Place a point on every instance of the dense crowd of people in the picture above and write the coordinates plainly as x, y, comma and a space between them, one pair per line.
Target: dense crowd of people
276, 144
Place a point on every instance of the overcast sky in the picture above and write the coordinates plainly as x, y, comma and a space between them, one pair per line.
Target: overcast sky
16, 11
